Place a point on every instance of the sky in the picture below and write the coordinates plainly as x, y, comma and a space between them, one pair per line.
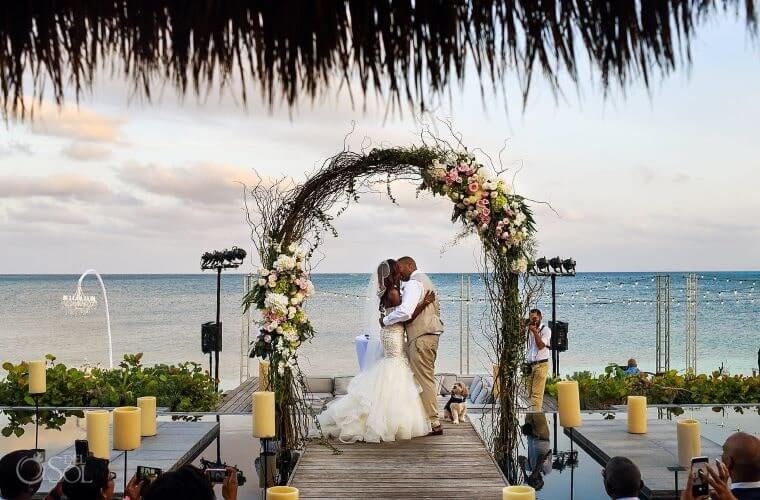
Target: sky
658, 179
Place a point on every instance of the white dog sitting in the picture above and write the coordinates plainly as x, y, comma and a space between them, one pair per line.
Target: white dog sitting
456, 407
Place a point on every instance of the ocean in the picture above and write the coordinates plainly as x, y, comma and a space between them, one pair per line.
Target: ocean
611, 317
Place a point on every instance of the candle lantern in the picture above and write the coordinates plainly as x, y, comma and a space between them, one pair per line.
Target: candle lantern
37, 377
518, 492
126, 432
282, 493
97, 433
689, 441
147, 405
569, 403
637, 414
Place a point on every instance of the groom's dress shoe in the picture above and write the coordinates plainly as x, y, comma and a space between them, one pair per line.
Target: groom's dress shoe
437, 431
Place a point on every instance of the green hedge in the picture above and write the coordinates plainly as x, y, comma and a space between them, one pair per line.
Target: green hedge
613, 386
183, 387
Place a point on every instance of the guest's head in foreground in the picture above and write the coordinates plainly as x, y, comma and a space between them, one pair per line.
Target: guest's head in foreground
632, 363
189, 483
89, 481
20, 475
741, 456
535, 317
407, 266
622, 479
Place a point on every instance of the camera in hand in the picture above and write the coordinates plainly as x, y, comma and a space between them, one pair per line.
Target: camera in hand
147, 473
81, 451
699, 485
216, 475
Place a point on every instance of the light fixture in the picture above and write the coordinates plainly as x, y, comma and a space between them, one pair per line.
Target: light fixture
568, 265
556, 264
542, 266
80, 304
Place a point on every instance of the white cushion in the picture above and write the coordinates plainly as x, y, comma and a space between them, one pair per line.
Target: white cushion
476, 387
341, 385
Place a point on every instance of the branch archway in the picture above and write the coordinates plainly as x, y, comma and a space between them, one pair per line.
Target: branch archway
287, 225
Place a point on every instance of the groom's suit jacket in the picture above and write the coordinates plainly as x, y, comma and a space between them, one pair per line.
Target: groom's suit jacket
429, 320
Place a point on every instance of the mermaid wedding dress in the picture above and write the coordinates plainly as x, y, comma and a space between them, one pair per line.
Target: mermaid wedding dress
382, 403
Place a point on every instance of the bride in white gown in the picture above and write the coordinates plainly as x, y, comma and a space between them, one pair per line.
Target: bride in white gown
383, 402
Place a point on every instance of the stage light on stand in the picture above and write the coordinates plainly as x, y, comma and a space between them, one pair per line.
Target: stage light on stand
541, 267
568, 266
556, 264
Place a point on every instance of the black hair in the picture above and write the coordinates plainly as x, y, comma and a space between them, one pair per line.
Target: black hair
86, 481
20, 474
186, 483
622, 478
536, 311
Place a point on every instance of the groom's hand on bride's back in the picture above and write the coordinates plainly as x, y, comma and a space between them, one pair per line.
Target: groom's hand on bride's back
429, 298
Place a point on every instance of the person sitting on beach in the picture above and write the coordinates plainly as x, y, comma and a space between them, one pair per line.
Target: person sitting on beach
633, 367
622, 479
89, 481
20, 475
189, 483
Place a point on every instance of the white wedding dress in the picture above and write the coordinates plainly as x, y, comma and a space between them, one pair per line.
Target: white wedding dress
382, 403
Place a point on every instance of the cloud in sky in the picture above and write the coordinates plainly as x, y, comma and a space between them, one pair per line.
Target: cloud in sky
59, 186
206, 184
72, 122
86, 151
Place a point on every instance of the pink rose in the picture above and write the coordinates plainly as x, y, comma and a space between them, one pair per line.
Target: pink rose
485, 211
473, 187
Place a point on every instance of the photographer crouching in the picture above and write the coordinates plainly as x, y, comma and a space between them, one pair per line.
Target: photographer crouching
537, 366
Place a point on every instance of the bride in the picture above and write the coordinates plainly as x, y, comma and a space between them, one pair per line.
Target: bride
383, 402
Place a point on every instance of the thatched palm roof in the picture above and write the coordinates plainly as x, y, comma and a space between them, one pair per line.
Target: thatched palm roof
406, 50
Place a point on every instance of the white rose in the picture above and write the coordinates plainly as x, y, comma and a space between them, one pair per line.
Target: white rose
263, 272
272, 278
262, 282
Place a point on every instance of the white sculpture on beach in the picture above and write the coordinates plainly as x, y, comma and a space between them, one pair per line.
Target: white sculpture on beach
80, 304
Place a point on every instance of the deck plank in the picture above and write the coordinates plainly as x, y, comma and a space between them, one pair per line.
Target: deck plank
425, 467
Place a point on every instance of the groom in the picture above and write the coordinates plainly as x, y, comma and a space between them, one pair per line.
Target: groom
422, 334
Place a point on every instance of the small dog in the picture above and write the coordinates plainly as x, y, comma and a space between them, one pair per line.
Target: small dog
456, 407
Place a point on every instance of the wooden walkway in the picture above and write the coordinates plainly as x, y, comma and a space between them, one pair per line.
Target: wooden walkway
455, 465
652, 452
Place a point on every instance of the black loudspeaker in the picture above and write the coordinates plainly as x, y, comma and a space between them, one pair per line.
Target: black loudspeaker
559, 336
211, 337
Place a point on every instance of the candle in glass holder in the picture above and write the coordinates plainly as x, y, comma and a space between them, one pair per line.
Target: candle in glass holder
637, 414
126, 428
264, 375
37, 377
518, 492
263, 414
147, 405
568, 400
97, 433
689, 441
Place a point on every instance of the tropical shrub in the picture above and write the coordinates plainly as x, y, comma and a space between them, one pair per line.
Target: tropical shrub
182, 387
598, 392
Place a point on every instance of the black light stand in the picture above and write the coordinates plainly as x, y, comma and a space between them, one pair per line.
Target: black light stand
552, 268
211, 333
39, 454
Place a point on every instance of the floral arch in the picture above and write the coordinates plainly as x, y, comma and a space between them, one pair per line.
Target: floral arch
288, 222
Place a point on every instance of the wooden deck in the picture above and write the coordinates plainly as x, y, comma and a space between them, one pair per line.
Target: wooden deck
176, 444
652, 452
455, 465
238, 400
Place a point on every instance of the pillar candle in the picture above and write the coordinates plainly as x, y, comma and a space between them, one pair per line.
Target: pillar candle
689, 441
282, 493
147, 405
637, 414
569, 403
97, 433
37, 377
264, 375
126, 428
263, 414
520, 492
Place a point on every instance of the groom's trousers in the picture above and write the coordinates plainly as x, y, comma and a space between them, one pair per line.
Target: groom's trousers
422, 354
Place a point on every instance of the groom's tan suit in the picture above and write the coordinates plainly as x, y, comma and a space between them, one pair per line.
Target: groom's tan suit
422, 342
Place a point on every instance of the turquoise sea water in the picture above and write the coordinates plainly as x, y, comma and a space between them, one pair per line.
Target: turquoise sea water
611, 315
